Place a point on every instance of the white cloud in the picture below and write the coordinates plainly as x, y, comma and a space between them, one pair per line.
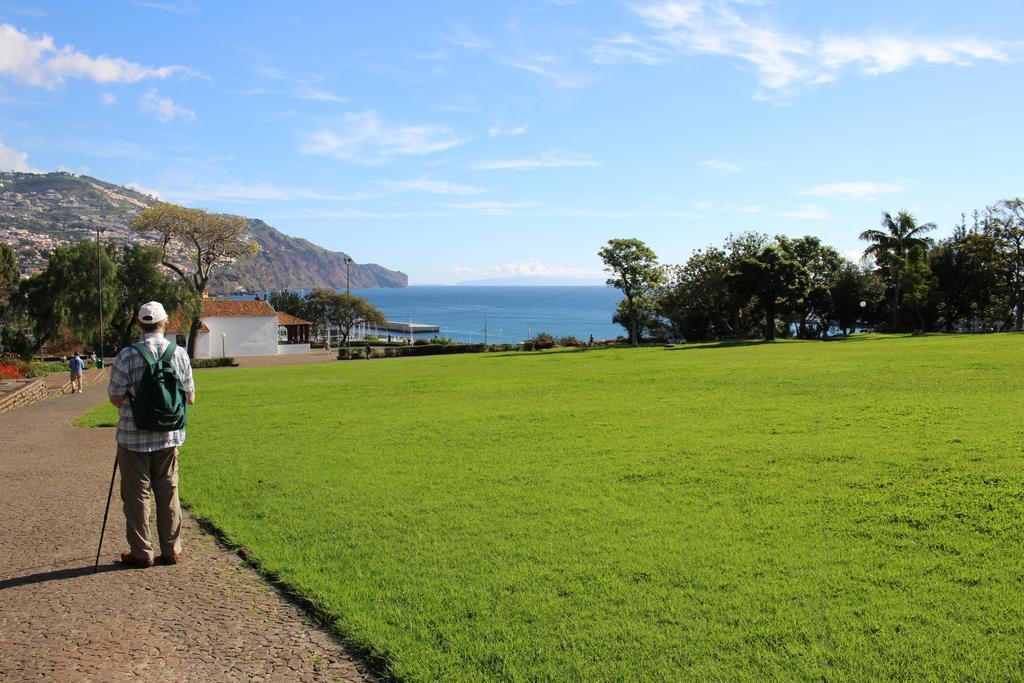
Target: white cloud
364, 138
317, 95
785, 62
703, 205
628, 49
853, 190
164, 108
144, 190
544, 65
430, 186
107, 99
549, 160
532, 267
254, 192
722, 166
14, 160
467, 39
493, 206
807, 212
498, 129
751, 209
879, 55
854, 256
356, 215
38, 62
169, 7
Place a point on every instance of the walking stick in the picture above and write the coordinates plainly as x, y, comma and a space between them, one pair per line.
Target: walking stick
106, 511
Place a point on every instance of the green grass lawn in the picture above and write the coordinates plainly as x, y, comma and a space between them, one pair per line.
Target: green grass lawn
845, 511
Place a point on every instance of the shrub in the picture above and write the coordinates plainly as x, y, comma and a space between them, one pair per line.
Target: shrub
414, 350
13, 367
229, 361
421, 342
543, 341
9, 370
570, 342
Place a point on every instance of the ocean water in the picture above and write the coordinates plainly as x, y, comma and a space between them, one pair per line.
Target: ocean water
511, 314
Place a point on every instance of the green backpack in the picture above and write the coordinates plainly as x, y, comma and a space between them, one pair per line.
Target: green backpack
160, 403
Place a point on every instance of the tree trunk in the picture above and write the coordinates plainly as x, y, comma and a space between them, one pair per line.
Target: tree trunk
895, 305
634, 337
769, 332
193, 331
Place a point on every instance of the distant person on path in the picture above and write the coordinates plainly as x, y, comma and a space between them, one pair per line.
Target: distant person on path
368, 351
92, 357
76, 365
148, 459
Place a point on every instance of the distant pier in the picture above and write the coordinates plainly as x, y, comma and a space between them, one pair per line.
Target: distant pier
409, 328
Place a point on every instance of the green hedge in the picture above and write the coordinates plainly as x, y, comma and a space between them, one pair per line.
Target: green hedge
214, 362
357, 353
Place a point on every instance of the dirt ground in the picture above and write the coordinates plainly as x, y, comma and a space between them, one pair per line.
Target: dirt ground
211, 618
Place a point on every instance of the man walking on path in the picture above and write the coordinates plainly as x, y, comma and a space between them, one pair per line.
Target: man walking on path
76, 365
148, 459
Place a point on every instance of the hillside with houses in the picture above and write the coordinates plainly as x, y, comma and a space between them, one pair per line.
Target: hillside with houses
41, 211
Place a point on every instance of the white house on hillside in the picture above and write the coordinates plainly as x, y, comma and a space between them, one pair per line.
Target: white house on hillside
243, 328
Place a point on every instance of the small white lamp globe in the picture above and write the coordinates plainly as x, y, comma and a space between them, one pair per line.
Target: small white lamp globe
863, 304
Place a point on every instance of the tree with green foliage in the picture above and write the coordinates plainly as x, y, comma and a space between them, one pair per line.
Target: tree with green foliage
634, 270
649, 322
966, 269
811, 291
770, 280
8, 273
918, 284
855, 296
294, 304
1005, 222
344, 311
15, 324
64, 295
140, 278
890, 248
697, 301
211, 241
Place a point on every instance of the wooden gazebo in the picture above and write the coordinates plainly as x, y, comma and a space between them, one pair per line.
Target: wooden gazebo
296, 328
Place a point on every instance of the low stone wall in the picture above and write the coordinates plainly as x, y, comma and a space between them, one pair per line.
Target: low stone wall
292, 349
32, 390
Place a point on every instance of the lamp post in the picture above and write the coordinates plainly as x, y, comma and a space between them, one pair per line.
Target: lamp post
99, 286
223, 344
348, 288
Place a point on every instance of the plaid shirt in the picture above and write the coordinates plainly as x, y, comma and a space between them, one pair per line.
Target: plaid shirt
125, 375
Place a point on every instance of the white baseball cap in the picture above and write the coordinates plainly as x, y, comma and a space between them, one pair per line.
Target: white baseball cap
152, 312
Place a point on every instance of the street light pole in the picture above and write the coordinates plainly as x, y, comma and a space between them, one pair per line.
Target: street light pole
99, 286
223, 337
348, 288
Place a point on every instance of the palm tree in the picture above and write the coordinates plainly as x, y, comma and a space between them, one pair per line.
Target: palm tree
891, 247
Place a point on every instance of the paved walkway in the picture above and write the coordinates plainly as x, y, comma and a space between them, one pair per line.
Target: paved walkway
60, 382
209, 619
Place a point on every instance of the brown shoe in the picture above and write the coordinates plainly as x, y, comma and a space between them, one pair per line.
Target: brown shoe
170, 559
138, 562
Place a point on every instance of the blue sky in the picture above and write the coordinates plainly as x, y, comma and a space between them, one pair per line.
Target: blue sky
466, 140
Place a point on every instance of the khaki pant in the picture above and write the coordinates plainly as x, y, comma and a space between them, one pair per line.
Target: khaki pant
142, 472
76, 382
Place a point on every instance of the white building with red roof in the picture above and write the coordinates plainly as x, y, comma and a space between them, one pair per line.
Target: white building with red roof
244, 327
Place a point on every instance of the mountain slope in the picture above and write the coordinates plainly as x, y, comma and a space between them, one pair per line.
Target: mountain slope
40, 211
